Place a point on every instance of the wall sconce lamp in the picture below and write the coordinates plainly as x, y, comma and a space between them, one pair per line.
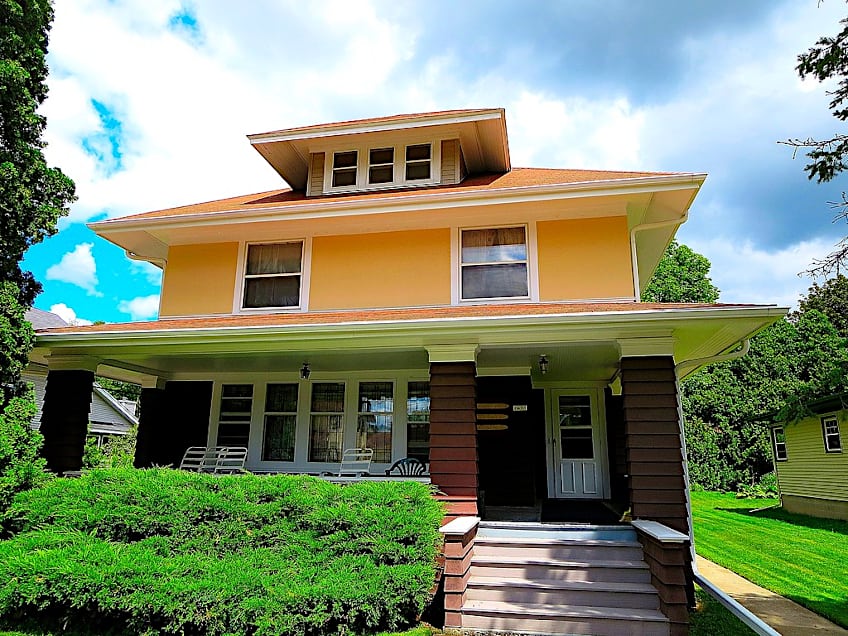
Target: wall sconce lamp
305, 371
543, 364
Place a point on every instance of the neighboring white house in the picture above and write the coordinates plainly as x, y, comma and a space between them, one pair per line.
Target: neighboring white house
108, 416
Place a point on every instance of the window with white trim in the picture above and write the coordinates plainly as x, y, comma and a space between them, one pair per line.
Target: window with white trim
494, 263
830, 431
234, 414
280, 422
344, 168
374, 421
326, 422
272, 275
381, 165
419, 159
778, 436
418, 421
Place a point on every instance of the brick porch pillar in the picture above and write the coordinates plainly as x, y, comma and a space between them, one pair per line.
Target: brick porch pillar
64, 416
453, 427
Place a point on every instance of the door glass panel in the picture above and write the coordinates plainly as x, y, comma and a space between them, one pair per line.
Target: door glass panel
575, 420
575, 410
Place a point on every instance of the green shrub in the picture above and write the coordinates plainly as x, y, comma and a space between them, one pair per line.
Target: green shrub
168, 551
21, 466
117, 451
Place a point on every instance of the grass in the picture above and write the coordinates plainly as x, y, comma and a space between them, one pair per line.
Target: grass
712, 618
802, 558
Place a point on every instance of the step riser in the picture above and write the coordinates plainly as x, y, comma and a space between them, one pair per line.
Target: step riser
547, 572
596, 627
630, 600
559, 552
569, 535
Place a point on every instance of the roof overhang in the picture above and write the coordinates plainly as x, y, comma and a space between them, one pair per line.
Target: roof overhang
508, 341
481, 132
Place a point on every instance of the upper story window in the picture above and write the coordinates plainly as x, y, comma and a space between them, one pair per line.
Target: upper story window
778, 436
369, 168
344, 168
273, 275
830, 430
493, 263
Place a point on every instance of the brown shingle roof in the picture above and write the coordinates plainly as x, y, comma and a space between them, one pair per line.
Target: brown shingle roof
515, 178
387, 315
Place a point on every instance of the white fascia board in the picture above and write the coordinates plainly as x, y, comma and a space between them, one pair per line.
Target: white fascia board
426, 200
398, 328
356, 128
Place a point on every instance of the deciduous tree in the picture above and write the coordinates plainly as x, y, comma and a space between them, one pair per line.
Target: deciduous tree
682, 276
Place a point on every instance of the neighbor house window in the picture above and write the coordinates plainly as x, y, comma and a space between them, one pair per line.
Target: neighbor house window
418, 421
374, 421
326, 422
381, 165
494, 263
779, 438
234, 415
419, 160
280, 422
344, 168
273, 275
830, 429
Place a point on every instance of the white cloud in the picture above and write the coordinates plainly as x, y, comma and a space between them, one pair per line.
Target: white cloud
68, 315
141, 307
152, 273
77, 268
746, 273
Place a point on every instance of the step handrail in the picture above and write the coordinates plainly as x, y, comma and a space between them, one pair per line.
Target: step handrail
751, 620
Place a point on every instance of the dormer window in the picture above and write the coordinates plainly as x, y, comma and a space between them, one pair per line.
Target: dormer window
381, 166
344, 168
418, 159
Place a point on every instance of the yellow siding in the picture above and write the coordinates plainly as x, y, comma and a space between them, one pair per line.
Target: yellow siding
808, 470
387, 269
449, 152
584, 259
316, 174
199, 279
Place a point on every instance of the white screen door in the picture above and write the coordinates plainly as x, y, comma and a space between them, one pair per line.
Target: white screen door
578, 464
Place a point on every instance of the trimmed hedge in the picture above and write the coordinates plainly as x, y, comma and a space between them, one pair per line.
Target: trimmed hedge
160, 550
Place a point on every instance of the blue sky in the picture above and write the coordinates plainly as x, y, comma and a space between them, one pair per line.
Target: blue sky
150, 101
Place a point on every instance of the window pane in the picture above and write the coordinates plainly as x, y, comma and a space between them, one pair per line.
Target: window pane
230, 408
281, 398
494, 246
344, 159
418, 421
575, 410
328, 397
375, 432
325, 438
234, 419
577, 443
418, 171
283, 291
384, 174
275, 258
237, 390
345, 177
278, 444
376, 397
382, 155
418, 152
494, 281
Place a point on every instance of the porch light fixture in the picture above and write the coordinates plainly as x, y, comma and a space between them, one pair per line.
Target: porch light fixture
543, 364
305, 371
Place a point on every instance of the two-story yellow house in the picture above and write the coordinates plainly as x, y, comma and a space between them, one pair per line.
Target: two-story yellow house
413, 293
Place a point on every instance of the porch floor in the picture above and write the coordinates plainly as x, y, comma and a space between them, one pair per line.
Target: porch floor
593, 512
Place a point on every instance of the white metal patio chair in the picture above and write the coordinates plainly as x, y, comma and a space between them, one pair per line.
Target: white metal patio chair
218, 460
356, 462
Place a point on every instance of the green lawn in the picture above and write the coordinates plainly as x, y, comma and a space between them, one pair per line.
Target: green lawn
802, 558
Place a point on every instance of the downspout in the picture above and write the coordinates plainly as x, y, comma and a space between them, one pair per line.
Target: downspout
637, 293
158, 262
757, 625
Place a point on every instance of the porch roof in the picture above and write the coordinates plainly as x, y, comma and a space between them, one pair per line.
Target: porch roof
582, 340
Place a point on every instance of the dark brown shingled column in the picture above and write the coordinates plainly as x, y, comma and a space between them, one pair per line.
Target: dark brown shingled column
64, 418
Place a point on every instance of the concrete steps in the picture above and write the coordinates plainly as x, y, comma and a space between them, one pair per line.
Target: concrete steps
560, 579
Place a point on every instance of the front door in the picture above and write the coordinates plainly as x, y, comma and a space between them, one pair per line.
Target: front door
577, 445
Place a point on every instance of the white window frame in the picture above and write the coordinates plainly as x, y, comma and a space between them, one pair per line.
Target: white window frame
392, 413
776, 444
266, 413
356, 168
305, 271
532, 270
399, 170
371, 165
831, 420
